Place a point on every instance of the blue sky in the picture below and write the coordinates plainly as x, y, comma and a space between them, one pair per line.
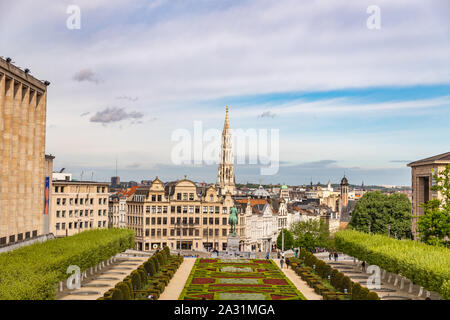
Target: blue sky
344, 98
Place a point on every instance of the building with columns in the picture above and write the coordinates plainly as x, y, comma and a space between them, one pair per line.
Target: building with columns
422, 172
23, 103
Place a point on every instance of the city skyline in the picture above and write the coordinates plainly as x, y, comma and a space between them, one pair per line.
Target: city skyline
330, 88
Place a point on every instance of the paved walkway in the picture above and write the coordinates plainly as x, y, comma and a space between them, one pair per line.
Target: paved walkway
352, 269
176, 284
301, 285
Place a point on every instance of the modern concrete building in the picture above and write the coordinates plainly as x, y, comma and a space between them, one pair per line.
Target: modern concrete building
422, 172
77, 206
23, 103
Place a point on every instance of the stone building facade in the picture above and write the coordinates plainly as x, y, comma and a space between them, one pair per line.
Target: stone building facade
77, 206
179, 214
422, 172
23, 102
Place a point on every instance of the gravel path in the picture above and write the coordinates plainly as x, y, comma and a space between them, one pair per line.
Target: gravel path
176, 284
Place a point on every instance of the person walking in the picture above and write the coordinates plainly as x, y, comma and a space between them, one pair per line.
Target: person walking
336, 256
267, 256
329, 255
287, 262
281, 262
363, 266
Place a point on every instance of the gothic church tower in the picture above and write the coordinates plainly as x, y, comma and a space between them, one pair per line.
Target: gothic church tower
226, 180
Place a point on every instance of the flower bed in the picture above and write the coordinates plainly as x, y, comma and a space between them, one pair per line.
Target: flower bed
238, 279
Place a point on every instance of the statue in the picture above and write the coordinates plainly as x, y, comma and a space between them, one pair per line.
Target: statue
233, 220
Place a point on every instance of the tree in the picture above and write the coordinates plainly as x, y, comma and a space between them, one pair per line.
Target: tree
310, 234
434, 225
288, 240
379, 213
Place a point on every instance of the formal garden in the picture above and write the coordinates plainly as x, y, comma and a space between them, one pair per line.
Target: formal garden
238, 279
33, 272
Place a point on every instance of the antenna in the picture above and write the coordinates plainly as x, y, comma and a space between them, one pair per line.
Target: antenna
92, 176
116, 166
81, 175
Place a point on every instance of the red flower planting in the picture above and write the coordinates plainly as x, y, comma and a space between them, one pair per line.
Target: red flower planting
202, 280
280, 282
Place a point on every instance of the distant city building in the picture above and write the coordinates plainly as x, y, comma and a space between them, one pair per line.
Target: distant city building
179, 214
115, 181
117, 213
77, 206
23, 103
422, 172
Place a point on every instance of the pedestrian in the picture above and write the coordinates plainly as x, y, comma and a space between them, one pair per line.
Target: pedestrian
278, 254
287, 262
336, 256
363, 266
281, 263
329, 256
267, 256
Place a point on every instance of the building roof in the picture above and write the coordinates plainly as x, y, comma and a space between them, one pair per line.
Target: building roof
261, 192
443, 158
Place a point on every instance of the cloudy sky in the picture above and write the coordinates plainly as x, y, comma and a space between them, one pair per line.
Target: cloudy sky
345, 98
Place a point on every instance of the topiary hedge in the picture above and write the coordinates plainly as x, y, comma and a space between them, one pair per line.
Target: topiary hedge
147, 281
33, 272
425, 265
337, 279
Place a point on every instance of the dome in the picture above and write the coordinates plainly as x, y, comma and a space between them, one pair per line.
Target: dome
284, 186
344, 181
260, 192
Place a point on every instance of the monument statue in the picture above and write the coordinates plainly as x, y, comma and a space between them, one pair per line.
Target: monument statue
233, 220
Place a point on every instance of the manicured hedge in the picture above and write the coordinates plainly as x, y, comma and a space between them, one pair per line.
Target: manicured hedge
33, 272
425, 265
315, 272
149, 279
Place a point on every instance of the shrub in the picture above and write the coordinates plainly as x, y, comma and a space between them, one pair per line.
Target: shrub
372, 296
136, 280
116, 294
356, 291
425, 265
347, 284
33, 272
364, 293
150, 267
125, 290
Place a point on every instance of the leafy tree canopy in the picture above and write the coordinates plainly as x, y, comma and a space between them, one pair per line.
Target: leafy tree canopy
385, 214
310, 234
288, 240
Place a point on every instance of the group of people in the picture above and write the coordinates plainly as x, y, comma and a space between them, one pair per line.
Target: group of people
333, 254
282, 260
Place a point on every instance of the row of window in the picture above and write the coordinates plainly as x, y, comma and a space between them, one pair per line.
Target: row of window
176, 221
20, 237
60, 189
75, 201
74, 213
79, 225
185, 232
176, 209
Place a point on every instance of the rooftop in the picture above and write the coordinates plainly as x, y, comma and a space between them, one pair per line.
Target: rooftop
443, 158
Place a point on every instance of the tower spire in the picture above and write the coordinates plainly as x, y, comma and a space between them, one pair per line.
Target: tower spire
226, 179
227, 120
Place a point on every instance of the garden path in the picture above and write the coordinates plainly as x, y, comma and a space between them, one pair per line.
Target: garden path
301, 285
176, 284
